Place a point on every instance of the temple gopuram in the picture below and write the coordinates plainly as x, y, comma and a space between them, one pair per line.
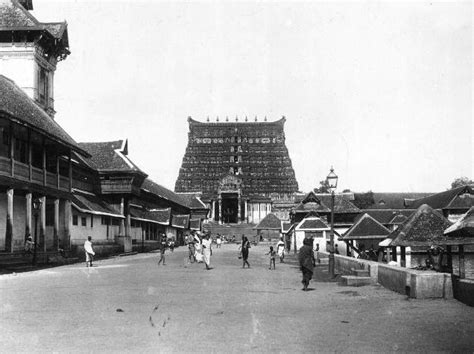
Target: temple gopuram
242, 170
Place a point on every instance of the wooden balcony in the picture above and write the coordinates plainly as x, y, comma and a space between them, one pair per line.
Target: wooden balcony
114, 186
34, 175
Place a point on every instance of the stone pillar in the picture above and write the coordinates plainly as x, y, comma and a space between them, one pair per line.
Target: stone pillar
213, 210
402, 257
29, 200
42, 224
67, 225
56, 225
9, 226
220, 210
239, 211
127, 218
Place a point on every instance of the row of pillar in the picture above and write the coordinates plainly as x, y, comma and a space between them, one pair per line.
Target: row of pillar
40, 221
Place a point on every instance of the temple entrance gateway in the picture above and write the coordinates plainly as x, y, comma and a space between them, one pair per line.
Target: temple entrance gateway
230, 210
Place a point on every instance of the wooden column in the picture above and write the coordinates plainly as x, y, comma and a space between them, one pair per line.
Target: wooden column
246, 208
239, 211
122, 221
28, 200
394, 254
220, 210
42, 223
462, 269
67, 225
449, 255
56, 225
9, 231
127, 218
213, 210
389, 255
402, 257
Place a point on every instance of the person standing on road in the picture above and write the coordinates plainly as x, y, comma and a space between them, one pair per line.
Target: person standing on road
307, 262
207, 251
244, 248
89, 251
162, 249
272, 254
281, 249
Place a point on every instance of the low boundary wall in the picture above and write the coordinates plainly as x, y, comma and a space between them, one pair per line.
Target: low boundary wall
413, 283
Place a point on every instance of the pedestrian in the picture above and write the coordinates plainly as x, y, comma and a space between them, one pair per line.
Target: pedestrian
336, 250
197, 248
218, 241
272, 254
307, 263
281, 249
207, 251
29, 245
192, 251
244, 249
89, 251
162, 249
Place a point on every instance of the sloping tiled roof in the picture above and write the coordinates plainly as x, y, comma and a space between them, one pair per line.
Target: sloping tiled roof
312, 206
18, 105
180, 221
391, 200
398, 219
269, 222
341, 204
311, 224
193, 200
89, 203
385, 216
366, 227
110, 156
160, 216
442, 200
464, 227
13, 15
286, 226
424, 228
164, 192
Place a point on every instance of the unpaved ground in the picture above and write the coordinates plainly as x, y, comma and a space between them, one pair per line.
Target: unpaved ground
130, 304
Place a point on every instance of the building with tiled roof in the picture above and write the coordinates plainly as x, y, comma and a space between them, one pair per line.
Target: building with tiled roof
311, 227
366, 233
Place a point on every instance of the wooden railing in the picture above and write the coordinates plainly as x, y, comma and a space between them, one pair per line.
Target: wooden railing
116, 186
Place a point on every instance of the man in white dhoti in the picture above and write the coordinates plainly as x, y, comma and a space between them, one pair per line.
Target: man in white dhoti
197, 248
89, 251
281, 249
206, 250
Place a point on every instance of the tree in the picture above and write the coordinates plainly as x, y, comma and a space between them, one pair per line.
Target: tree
461, 181
363, 200
323, 187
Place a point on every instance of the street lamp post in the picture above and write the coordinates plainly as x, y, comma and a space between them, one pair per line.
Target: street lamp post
332, 184
36, 209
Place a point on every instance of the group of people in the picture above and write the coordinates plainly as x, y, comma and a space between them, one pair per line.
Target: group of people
200, 249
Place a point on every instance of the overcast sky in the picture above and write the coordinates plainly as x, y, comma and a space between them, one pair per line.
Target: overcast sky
380, 90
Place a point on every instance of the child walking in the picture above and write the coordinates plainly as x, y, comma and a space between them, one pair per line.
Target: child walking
272, 254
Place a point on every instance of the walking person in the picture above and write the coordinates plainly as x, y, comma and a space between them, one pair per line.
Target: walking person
272, 254
162, 249
207, 251
29, 246
281, 249
192, 251
244, 248
307, 262
218, 241
89, 251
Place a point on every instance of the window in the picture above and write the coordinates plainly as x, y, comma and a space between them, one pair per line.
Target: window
83, 221
43, 85
20, 146
4, 138
49, 215
92, 220
74, 220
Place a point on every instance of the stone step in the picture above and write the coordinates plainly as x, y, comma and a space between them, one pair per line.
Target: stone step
353, 280
361, 272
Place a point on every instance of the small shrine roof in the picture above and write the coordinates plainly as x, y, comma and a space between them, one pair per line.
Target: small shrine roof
366, 228
269, 222
312, 223
424, 228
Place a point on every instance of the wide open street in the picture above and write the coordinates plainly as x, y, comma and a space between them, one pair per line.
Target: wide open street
129, 304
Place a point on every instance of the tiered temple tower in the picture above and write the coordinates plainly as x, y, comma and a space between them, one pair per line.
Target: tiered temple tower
242, 169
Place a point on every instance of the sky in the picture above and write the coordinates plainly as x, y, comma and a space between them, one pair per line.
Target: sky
382, 91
